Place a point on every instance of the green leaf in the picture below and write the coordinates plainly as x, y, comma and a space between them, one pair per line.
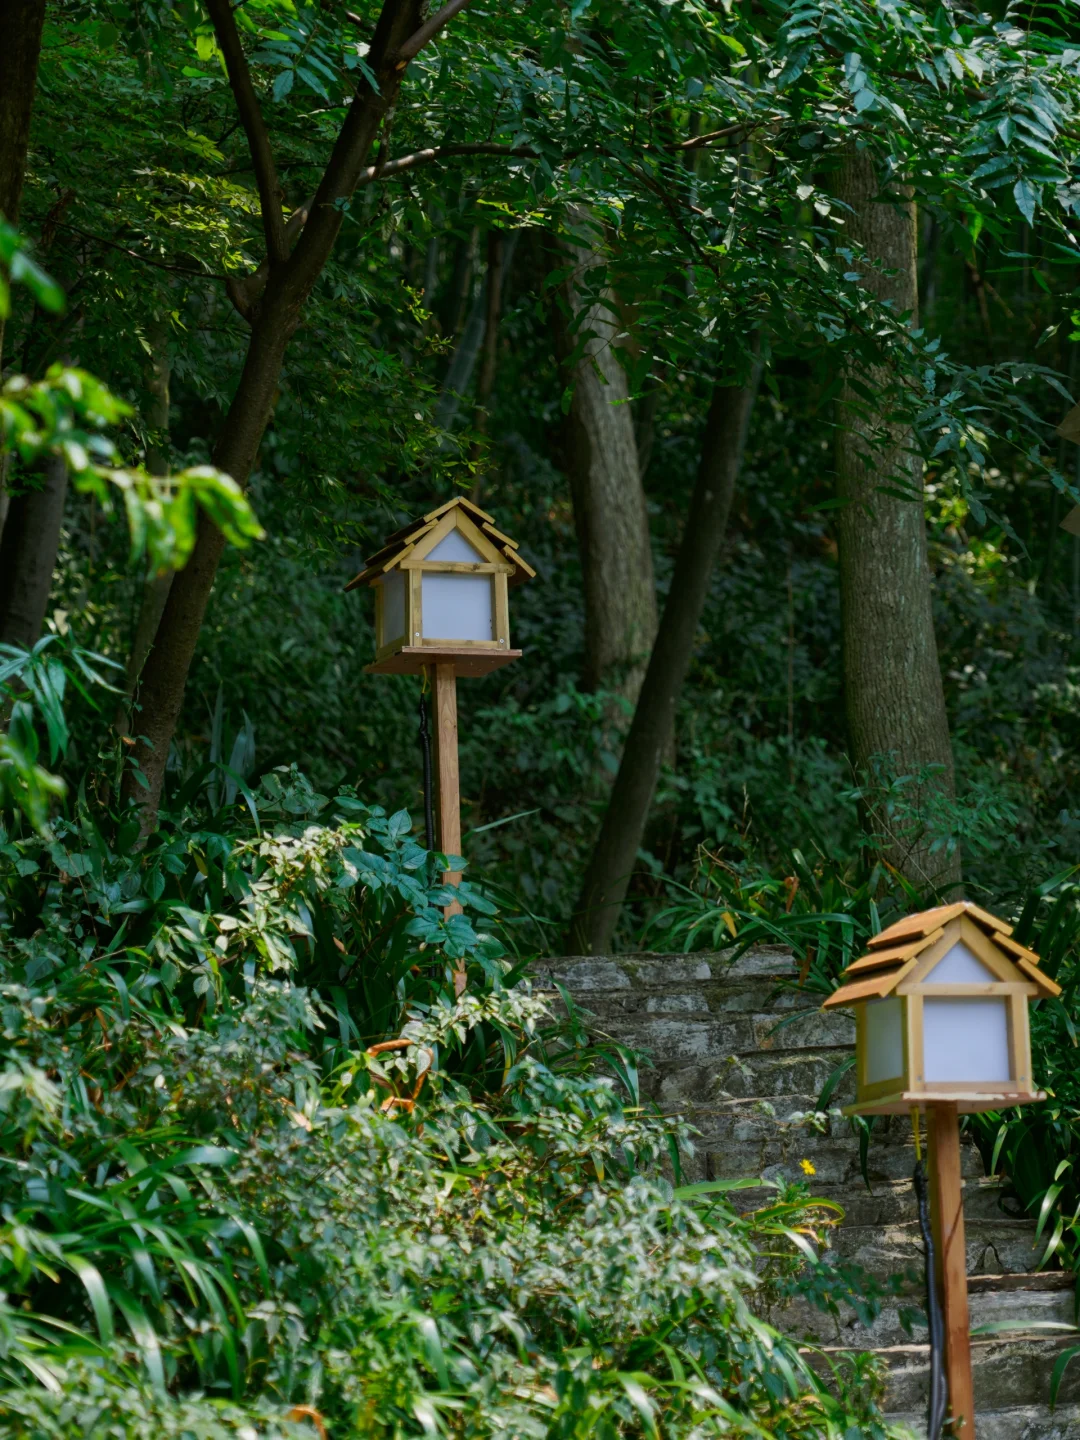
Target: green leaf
1027, 196
90, 1276
1061, 1364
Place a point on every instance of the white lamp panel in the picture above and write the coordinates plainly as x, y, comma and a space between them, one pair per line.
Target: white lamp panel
455, 547
966, 1039
458, 607
393, 596
884, 1037
960, 967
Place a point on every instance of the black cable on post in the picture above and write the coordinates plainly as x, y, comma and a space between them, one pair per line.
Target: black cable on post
425, 747
939, 1389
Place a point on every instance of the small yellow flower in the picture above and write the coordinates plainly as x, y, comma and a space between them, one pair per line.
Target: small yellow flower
807, 1168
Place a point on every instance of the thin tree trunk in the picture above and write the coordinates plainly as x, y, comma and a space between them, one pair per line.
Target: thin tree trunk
23, 21
460, 286
274, 318
28, 548
164, 675
893, 691
653, 725
610, 511
485, 381
155, 589
473, 337
29, 543
462, 364
645, 426
431, 272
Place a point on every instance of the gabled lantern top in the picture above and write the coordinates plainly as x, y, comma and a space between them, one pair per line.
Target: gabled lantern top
418, 538
897, 951
940, 1002
441, 586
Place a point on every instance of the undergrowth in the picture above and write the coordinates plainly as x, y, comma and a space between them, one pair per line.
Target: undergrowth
266, 1173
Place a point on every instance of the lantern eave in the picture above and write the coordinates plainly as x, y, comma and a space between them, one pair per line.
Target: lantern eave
470, 661
422, 534
967, 1101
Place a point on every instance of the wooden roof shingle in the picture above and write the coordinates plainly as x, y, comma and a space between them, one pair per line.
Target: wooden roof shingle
402, 541
895, 950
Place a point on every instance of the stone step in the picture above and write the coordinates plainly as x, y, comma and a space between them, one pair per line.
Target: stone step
648, 969
994, 1300
994, 1247
891, 1202
1021, 1422
775, 1075
611, 988
1006, 1374
798, 1111
735, 1144
742, 1054
702, 1035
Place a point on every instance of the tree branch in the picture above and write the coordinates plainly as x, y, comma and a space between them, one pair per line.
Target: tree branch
244, 290
429, 30
258, 138
439, 152
747, 127
136, 255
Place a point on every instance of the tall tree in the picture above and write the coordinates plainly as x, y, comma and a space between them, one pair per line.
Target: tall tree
485, 381
893, 692
478, 338
653, 727
610, 510
23, 22
28, 546
274, 309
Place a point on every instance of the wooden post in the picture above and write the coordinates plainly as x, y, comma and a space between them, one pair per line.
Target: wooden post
947, 1216
447, 780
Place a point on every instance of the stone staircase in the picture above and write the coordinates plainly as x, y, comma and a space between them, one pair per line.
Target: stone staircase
737, 1049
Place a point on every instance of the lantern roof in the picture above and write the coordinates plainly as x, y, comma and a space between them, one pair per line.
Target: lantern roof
460, 514
896, 950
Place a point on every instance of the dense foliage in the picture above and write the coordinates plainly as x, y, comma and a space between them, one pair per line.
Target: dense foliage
224, 1209
265, 1170
138, 236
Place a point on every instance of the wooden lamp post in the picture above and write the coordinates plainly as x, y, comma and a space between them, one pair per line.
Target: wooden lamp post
441, 585
941, 1024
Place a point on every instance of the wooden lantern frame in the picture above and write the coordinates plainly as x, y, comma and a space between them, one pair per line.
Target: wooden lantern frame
900, 965
407, 553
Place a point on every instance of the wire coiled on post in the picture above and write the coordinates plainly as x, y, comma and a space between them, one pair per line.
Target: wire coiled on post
939, 1388
425, 746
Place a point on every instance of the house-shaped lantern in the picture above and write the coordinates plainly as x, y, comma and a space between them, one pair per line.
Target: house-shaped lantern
441, 587
941, 1013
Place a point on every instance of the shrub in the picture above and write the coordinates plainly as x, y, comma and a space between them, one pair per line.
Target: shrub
230, 1197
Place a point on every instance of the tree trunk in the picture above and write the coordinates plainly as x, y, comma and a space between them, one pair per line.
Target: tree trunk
28, 548
653, 726
893, 692
473, 337
164, 675
274, 319
460, 287
155, 590
23, 21
19, 55
610, 511
485, 381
